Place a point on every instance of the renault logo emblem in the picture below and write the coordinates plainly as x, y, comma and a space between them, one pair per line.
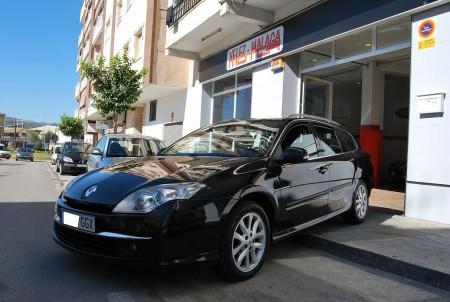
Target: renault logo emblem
90, 190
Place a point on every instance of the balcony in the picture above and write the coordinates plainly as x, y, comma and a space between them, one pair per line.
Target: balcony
77, 90
199, 28
83, 84
98, 27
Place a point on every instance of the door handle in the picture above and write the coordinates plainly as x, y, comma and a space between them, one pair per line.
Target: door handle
322, 168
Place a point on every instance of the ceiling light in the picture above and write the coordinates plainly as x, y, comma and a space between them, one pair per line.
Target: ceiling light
368, 44
315, 60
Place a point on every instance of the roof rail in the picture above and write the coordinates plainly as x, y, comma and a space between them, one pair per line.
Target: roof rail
313, 117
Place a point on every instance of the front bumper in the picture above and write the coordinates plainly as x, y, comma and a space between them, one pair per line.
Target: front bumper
115, 237
75, 167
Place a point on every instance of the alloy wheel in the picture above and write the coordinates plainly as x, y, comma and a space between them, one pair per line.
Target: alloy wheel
361, 202
249, 242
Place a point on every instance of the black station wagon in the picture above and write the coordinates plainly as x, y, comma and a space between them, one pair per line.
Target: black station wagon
223, 192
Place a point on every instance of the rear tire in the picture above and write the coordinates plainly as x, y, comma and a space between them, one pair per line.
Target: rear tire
245, 242
360, 205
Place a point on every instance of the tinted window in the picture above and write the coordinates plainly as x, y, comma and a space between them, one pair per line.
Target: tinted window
347, 141
301, 137
329, 143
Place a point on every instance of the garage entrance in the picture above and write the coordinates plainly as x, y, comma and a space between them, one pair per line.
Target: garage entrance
362, 82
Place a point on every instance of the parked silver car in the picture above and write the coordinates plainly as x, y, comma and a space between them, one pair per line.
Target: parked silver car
114, 148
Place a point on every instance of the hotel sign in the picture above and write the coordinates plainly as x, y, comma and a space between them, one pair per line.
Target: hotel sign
259, 47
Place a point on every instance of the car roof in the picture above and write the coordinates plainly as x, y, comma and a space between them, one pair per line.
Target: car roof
286, 119
118, 135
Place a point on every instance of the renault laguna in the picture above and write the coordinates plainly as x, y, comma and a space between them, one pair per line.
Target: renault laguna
224, 193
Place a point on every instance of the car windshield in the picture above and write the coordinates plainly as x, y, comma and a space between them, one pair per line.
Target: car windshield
132, 147
23, 150
246, 139
75, 148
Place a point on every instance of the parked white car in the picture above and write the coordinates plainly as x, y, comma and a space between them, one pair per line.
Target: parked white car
4, 153
55, 153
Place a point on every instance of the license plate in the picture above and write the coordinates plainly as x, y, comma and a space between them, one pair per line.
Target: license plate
82, 222
81, 165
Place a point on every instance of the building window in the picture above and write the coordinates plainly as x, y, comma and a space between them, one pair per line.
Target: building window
138, 45
108, 30
152, 111
119, 12
232, 97
125, 48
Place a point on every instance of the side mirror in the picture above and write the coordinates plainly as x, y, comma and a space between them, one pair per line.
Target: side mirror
293, 155
97, 151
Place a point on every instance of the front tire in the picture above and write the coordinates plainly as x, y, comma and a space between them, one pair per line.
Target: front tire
61, 169
360, 205
245, 242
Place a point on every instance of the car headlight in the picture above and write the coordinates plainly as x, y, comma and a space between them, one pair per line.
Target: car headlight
67, 159
147, 199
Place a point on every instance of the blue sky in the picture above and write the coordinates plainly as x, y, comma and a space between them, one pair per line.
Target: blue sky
38, 58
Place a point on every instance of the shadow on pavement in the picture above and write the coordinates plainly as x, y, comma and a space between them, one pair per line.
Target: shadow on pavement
34, 268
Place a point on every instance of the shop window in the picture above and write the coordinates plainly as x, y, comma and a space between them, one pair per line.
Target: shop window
232, 97
354, 44
152, 111
393, 33
317, 56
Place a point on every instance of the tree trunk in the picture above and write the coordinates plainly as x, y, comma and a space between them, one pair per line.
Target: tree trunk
115, 116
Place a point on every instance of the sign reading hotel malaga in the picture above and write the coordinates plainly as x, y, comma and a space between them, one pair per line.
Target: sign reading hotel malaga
259, 47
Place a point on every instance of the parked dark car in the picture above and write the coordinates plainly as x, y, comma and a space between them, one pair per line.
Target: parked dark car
25, 153
223, 192
115, 148
73, 157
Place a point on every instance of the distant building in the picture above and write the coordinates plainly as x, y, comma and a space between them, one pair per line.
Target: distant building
114, 27
54, 129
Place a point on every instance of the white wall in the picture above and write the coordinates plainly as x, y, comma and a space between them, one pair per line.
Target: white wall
428, 184
267, 93
175, 103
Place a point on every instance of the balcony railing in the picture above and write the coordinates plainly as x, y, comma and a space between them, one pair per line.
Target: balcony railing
176, 12
98, 27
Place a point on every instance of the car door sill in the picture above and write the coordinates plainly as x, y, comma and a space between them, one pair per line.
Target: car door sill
308, 224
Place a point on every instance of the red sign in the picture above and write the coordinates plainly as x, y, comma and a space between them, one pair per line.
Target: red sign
259, 47
427, 28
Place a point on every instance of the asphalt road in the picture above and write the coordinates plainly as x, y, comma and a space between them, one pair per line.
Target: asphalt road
33, 268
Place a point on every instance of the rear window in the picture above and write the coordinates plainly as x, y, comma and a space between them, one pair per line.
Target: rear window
329, 142
347, 141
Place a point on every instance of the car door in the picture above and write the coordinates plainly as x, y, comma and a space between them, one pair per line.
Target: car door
305, 186
342, 166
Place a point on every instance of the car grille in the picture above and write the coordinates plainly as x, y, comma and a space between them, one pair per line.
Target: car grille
109, 247
87, 206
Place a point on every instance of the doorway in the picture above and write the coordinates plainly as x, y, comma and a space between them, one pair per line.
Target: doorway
317, 97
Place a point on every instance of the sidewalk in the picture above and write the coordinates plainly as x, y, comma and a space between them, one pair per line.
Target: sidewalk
413, 248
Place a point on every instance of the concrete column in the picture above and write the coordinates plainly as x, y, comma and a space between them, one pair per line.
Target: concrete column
371, 132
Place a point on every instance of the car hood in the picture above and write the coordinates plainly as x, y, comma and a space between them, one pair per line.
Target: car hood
76, 156
115, 182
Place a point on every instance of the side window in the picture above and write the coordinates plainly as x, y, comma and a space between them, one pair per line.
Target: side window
301, 137
101, 144
329, 143
347, 141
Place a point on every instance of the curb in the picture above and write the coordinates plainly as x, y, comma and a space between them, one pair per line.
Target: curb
61, 182
395, 266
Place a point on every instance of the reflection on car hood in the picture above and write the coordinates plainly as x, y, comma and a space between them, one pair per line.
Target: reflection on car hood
115, 182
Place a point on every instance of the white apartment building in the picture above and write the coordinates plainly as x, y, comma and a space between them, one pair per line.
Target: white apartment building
137, 27
380, 68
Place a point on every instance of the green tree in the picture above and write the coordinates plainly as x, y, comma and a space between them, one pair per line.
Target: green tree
50, 136
35, 139
117, 85
71, 126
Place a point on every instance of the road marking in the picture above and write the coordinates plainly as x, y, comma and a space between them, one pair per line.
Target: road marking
120, 297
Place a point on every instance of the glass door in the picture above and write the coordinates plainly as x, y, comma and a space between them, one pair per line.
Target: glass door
317, 97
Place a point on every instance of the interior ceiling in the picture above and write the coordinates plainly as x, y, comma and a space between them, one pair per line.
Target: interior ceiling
394, 62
